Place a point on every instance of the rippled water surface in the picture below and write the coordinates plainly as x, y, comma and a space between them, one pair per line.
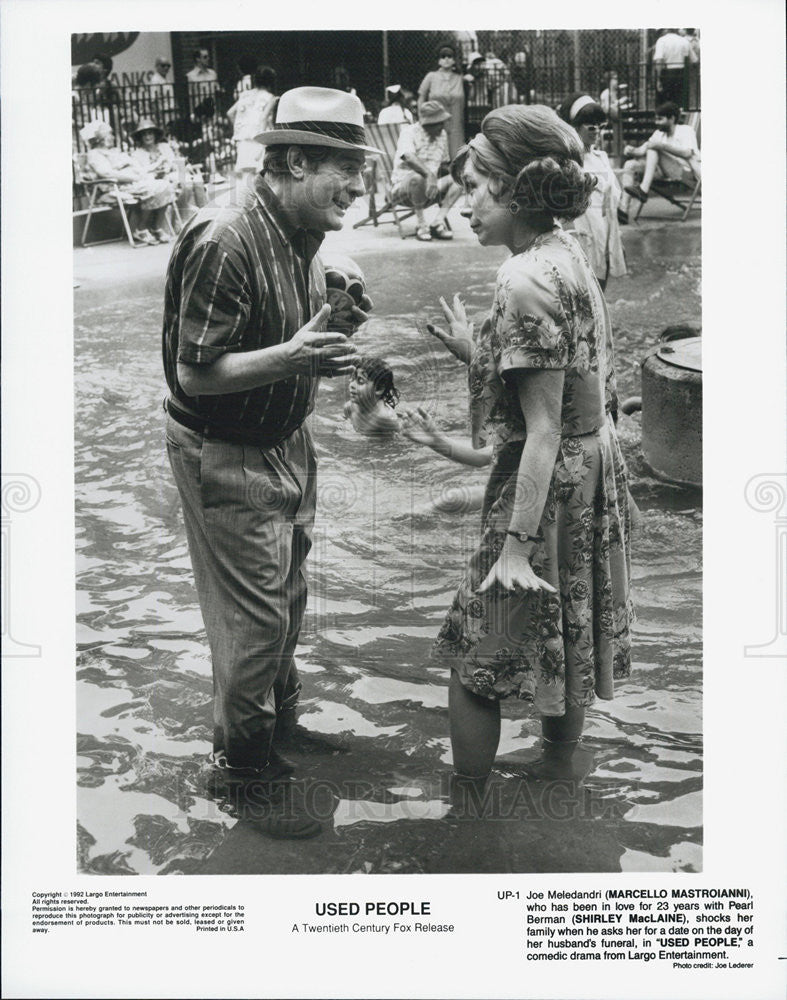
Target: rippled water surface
382, 572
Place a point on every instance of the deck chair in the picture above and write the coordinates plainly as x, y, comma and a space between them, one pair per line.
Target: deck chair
682, 193
378, 179
90, 186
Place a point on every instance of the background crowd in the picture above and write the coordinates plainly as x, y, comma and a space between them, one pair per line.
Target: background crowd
199, 111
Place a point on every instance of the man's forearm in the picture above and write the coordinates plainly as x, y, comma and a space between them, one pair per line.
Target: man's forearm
413, 163
236, 372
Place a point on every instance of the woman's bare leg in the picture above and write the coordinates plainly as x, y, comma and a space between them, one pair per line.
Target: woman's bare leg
475, 730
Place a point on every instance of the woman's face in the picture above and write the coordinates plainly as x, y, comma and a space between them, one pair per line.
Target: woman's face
148, 138
446, 61
105, 138
589, 134
490, 220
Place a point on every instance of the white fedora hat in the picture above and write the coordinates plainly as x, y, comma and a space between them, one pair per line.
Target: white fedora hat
317, 116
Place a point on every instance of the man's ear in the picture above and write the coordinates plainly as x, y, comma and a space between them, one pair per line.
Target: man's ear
296, 162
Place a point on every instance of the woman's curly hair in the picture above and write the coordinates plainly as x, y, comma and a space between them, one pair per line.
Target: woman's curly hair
534, 160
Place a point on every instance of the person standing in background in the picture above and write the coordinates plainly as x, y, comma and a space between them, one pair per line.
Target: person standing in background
672, 54
201, 71
446, 86
250, 115
202, 83
161, 92
598, 228
158, 78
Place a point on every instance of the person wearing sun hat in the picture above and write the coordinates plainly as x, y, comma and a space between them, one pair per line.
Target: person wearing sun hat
415, 182
156, 160
123, 177
244, 345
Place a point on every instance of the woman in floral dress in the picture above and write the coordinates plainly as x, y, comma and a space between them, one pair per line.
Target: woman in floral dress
543, 611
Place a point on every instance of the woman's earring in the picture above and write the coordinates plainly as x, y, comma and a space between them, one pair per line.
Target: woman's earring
513, 207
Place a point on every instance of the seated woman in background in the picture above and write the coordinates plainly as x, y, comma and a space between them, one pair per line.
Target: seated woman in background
598, 229
107, 162
156, 160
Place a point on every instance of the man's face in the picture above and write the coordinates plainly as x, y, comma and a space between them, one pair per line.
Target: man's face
434, 130
203, 58
162, 67
329, 188
665, 124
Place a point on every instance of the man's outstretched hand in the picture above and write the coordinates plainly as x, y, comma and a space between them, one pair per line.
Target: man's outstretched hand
313, 351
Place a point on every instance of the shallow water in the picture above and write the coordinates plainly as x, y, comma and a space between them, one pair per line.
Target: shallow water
382, 572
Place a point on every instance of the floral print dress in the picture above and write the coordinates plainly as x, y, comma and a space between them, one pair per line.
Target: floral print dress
551, 650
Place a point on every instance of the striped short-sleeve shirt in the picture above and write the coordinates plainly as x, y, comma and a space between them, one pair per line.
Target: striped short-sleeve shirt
242, 278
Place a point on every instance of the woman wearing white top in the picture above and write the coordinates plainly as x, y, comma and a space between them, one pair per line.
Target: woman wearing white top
598, 229
250, 115
395, 112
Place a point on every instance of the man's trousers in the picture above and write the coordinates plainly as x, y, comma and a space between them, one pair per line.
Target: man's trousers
249, 514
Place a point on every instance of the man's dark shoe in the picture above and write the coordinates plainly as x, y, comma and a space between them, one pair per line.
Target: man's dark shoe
623, 217
283, 764
259, 784
636, 192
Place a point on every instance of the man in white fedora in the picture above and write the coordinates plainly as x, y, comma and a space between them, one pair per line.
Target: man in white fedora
421, 151
244, 346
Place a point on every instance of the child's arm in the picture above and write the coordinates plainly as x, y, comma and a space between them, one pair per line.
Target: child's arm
419, 427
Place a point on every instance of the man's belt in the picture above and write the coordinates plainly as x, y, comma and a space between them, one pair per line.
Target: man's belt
211, 429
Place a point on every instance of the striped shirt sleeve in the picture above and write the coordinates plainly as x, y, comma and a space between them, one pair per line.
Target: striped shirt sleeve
215, 302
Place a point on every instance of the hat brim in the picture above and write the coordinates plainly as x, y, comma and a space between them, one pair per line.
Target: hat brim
157, 130
295, 137
434, 120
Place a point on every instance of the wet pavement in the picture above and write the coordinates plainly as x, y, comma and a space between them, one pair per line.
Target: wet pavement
382, 572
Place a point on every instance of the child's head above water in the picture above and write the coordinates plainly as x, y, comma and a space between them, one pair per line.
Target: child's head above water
378, 374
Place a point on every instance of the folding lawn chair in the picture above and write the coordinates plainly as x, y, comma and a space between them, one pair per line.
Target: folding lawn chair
379, 170
684, 192
91, 186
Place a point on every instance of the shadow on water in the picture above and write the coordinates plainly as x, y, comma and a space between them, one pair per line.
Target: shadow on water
383, 569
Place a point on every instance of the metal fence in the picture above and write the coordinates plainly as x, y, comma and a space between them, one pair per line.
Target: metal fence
524, 66
193, 118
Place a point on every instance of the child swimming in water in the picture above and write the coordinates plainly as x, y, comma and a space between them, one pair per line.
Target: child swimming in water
373, 397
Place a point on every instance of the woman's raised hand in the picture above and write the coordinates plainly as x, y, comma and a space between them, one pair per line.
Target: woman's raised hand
460, 340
